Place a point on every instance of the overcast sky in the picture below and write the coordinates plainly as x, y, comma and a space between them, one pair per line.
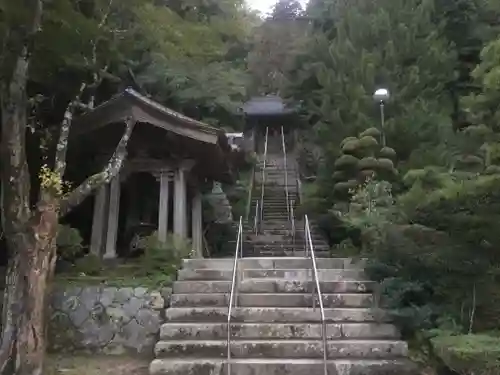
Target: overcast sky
265, 6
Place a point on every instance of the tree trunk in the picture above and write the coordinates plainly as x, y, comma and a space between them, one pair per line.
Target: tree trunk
29, 272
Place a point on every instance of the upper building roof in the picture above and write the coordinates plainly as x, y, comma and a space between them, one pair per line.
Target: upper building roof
269, 105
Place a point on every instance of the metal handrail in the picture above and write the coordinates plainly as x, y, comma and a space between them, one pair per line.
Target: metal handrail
250, 193
263, 178
256, 218
286, 173
292, 216
232, 299
310, 253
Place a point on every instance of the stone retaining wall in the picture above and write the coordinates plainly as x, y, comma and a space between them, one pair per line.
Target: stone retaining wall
106, 320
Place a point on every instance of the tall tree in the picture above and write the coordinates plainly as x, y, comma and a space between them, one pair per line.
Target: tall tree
273, 46
31, 229
58, 58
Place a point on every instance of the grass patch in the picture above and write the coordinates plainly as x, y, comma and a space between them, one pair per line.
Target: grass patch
96, 365
477, 354
156, 268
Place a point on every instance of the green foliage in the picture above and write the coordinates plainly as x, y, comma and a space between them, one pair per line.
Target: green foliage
161, 260
469, 354
155, 268
358, 163
69, 242
88, 265
425, 271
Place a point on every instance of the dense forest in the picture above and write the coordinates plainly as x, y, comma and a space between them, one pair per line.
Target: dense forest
418, 196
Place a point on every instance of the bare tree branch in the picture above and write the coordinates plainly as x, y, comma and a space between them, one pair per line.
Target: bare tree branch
90, 184
62, 144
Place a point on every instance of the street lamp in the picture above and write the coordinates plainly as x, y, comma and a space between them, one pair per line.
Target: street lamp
381, 96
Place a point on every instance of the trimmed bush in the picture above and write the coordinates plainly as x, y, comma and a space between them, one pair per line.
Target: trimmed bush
469, 354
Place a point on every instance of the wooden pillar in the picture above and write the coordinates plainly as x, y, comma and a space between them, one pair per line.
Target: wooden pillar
197, 224
113, 215
99, 221
180, 199
163, 206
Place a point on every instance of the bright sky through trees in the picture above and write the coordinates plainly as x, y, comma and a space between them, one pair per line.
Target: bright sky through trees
265, 6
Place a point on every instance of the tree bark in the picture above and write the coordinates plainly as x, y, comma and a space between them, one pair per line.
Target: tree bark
30, 269
30, 238
31, 232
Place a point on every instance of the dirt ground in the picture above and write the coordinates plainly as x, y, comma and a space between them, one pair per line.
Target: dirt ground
96, 365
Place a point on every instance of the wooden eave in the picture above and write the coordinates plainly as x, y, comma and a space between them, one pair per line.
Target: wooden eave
131, 104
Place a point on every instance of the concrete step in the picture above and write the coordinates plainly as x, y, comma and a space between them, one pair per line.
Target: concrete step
298, 245
306, 274
291, 274
313, 331
319, 253
274, 314
274, 263
272, 300
336, 349
260, 366
257, 286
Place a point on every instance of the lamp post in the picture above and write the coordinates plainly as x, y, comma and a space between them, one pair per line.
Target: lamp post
381, 96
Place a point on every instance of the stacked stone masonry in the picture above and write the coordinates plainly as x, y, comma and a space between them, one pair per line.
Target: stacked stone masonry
106, 320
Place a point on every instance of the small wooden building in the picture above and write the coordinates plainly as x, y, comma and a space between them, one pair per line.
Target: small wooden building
171, 159
269, 112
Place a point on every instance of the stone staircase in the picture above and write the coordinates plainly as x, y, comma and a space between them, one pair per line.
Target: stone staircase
274, 330
276, 237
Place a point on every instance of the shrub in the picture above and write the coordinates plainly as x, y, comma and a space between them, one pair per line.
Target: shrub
89, 265
469, 354
69, 242
371, 132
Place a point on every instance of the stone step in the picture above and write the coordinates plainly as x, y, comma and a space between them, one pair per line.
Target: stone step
274, 263
336, 349
299, 245
290, 274
218, 331
273, 314
306, 274
273, 286
271, 300
319, 253
193, 366
256, 286
304, 286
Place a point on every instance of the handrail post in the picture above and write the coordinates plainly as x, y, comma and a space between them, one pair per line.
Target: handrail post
256, 218
233, 292
263, 179
286, 171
